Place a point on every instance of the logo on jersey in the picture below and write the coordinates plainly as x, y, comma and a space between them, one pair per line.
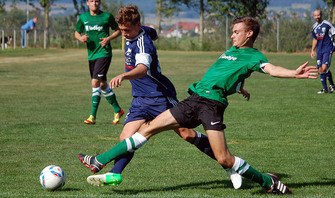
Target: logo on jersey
224, 56
128, 57
94, 28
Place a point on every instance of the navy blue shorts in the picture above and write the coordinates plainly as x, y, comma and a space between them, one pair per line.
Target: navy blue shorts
146, 108
99, 68
324, 58
196, 110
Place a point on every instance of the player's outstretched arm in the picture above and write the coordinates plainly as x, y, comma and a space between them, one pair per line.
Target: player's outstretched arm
303, 71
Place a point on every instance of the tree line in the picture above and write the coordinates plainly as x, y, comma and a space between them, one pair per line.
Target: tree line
280, 32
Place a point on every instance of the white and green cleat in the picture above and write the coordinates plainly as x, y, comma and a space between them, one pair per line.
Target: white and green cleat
107, 179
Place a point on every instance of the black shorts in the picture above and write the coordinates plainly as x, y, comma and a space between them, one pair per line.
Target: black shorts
196, 110
99, 68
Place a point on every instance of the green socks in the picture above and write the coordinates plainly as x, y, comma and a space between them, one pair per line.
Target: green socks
127, 145
96, 97
111, 98
244, 169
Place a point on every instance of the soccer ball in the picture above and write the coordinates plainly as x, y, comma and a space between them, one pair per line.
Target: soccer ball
52, 178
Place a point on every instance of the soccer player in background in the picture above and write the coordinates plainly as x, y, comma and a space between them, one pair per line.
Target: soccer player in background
92, 28
323, 47
152, 94
208, 101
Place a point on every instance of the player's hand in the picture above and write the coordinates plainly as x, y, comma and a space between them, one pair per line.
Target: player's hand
313, 54
104, 41
305, 71
116, 81
245, 93
84, 38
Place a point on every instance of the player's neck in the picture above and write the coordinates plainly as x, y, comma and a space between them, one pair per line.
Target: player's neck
94, 13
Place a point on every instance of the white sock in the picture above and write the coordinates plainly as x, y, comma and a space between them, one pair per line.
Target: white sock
138, 141
240, 166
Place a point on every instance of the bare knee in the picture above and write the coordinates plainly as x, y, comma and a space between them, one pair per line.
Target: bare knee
227, 161
186, 134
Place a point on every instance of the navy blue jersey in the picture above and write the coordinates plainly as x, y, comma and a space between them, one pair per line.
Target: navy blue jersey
151, 31
323, 32
142, 50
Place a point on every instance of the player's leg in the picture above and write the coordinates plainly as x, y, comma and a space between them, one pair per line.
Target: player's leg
164, 121
96, 91
114, 176
95, 101
102, 66
227, 160
111, 99
201, 142
322, 63
329, 75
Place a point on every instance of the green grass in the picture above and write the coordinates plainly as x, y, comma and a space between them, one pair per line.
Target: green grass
45, 96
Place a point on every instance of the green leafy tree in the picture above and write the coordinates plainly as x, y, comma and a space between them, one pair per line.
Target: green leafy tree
2, 6
165, 8
253, 8
46, 4
169, 7
331, 9
79, 6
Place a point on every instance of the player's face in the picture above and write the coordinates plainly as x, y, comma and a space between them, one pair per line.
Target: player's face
93, 5
130, 31
317, 16
240, 35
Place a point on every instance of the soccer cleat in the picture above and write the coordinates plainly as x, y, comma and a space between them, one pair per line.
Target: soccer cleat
90, 120
90, 162
117, 116
111, 179
277, 187
322, 91
235, 178
331, 88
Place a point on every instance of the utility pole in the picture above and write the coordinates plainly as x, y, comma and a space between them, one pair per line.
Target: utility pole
27, 10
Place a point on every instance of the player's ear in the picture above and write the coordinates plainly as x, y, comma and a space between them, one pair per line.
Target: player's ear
250, 33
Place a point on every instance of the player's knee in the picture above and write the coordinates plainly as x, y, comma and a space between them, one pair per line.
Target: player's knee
225, 161
187, 134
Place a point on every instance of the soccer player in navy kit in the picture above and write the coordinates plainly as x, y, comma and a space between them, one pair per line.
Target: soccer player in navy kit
152, 94
323, 47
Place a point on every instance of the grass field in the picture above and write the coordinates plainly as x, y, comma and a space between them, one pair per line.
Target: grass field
45, 96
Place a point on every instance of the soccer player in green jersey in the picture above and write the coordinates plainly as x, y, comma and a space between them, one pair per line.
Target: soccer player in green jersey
208, 102
93, 29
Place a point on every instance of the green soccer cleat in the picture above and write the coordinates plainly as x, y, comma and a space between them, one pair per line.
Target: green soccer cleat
107, 179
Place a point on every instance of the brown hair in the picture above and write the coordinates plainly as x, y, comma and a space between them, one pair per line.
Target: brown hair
128, 15
250, 23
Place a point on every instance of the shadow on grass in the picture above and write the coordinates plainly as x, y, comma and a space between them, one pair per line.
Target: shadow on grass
247, 184
70, 189
197, 185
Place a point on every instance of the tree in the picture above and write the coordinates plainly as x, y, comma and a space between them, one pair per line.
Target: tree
165, 8
2, 6
253, 8
46, 4
79, 6
169, 7
331, 9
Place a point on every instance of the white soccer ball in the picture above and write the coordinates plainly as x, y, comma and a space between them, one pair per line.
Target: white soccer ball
52, 178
